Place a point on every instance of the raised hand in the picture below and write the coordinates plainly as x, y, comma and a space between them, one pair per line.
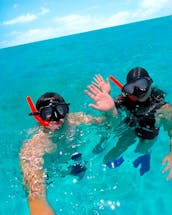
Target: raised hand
100, 83
103, 100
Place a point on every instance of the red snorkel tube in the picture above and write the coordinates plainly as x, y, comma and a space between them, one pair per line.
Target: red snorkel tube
34, 110
118, 84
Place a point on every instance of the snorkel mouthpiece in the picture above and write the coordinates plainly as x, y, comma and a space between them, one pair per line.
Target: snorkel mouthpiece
35, 112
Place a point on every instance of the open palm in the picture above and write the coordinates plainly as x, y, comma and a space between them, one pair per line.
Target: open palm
100, 83
103, 100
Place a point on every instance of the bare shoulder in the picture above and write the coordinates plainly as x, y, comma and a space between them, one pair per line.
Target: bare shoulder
76, 118
81, 118
37, 145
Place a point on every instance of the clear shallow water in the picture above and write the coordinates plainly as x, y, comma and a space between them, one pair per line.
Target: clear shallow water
66, 65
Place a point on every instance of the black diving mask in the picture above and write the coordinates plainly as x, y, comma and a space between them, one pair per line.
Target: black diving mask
53, 111
138, 88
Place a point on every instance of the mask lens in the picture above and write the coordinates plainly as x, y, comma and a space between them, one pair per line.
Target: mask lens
128, 89
142, 84
137, 88
54, 112
46, 113
62, 109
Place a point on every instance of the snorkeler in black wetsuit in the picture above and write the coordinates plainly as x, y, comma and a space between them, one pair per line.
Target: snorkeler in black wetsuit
141, 111
140, 114
141, 103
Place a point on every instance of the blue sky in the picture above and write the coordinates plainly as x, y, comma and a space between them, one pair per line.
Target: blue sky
28, 21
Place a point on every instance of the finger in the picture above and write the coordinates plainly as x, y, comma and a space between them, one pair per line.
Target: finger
96, 79
166, 168
93, 89
90, 94
164, 160
94, 106
95, 84
107, 80
99, 77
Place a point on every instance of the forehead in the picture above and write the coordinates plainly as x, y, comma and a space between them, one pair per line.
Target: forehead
47, 101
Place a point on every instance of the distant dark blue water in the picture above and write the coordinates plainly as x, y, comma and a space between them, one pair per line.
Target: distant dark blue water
66, 65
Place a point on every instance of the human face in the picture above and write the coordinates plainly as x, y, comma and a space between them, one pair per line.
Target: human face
145, 96
54, 111
138, 87
55, 125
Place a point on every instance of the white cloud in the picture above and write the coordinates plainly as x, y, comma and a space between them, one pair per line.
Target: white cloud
66, 25
27, 17
76, 23
117, 19
21, 19
154, 4
72, 19
29, 36
150, 8
44, 11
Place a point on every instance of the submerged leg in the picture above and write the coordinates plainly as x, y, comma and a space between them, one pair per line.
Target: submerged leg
144, 146
101, 145
127, 138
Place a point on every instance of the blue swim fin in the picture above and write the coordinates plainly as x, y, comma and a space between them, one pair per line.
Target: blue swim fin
115, 163
144, 161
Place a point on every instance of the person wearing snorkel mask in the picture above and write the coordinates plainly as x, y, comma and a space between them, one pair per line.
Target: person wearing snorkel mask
51, 112
146, 111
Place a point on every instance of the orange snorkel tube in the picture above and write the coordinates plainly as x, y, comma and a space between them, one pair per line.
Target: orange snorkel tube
34, 110
118, 84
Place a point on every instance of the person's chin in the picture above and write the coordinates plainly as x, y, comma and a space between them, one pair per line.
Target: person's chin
55, 125
143, 99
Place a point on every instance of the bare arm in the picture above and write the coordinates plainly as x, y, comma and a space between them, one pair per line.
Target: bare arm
81, 118
31, 157
164, 116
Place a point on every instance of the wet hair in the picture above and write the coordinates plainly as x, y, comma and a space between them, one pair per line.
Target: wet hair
136, 73
47, 98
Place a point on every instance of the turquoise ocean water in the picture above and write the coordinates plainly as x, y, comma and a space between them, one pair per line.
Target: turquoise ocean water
67, 65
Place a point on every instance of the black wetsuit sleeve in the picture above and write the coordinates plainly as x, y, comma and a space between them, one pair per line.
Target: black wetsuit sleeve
158, 97
120, 101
